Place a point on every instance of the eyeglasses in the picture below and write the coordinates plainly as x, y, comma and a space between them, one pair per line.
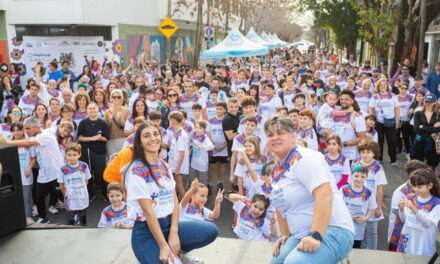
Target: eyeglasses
172, 95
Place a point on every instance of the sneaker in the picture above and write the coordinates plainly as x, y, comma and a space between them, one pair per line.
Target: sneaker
190, 260
42, 221
53, 210
59, 205
34, 211
29, 221
395, 164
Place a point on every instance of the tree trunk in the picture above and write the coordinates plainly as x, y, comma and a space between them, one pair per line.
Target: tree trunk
421, 49
198, 40
228, 12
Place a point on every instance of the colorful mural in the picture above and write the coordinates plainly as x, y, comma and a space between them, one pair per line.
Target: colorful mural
182, 48
153, 47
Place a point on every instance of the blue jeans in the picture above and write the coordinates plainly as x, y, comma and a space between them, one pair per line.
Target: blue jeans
335, 246
193, 235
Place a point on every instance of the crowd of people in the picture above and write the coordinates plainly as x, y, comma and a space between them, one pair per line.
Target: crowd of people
294, 141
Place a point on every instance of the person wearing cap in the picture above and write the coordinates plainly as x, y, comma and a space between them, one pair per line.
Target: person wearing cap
426, 122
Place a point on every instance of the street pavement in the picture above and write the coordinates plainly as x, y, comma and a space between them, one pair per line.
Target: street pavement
395, 177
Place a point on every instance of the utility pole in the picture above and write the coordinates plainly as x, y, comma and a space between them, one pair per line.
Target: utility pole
168, 40
421, 49
199, 29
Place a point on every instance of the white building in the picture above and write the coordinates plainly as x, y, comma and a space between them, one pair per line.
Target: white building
131, 24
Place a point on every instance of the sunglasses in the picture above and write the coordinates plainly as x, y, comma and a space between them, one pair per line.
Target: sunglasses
172, 95
116, 97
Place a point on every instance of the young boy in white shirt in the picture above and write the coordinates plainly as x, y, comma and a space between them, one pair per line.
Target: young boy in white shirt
73, 182
178, 155
219, 155
201, 145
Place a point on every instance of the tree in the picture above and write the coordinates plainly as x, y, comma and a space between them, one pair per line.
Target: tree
376, 23
339, 16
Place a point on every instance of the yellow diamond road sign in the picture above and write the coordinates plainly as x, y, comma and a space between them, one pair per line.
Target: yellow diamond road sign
168, 27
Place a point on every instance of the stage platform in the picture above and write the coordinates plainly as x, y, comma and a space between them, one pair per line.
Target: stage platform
104, 246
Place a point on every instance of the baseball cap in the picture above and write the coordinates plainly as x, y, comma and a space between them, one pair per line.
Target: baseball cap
430, 98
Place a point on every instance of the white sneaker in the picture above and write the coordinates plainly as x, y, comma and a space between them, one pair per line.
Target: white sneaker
190, 260
29, 221
42, 221
53, 210
395, 164
34, 211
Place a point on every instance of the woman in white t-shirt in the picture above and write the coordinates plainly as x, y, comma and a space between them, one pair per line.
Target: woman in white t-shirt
385, 106
152, 202
315, 224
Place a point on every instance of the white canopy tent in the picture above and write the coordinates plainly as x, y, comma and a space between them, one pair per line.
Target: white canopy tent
234, 45
253, 36
266, 37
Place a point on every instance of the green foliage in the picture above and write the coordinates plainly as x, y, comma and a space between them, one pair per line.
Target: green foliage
337, 15
376, 24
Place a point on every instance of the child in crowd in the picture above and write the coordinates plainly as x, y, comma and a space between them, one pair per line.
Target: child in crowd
375, 183
211, 104
250, 125
219, 155
116, 214
187, 124
197, 113
75, 175
306, 129
138, 121
249, 166
27, 158
294, 117
201, 144
402, 192
155, 117
178, 154
370, 122
252, 223
192, 206
282, 111
420, 214
339, 164
360, 202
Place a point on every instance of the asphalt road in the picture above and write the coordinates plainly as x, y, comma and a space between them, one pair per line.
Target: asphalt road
395, 177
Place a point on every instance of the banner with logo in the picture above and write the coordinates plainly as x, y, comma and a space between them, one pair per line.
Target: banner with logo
72, 49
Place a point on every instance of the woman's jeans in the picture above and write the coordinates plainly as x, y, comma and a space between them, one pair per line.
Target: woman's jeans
192, 235
335, 246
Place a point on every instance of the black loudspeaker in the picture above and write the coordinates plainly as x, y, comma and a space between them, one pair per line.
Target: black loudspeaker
12, 216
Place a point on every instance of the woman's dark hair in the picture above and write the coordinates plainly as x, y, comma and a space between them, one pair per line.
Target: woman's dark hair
266, 202
425, 177
17, 126
257, 89
133, 110
46, 116
138, 150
